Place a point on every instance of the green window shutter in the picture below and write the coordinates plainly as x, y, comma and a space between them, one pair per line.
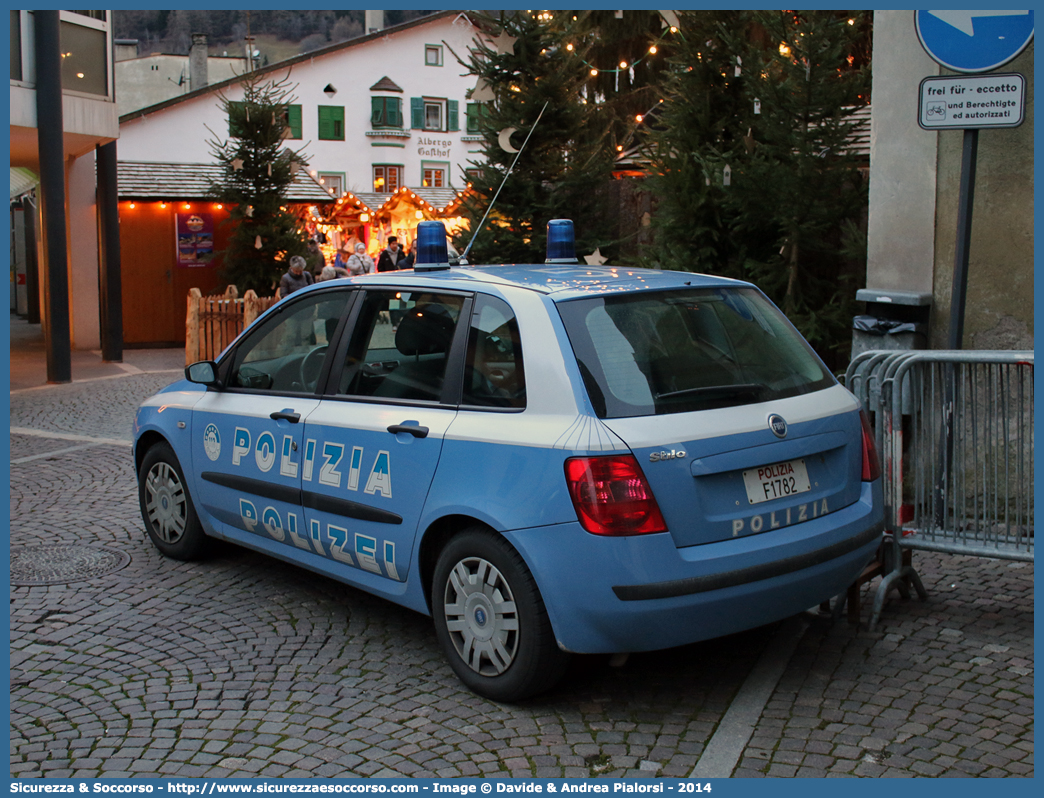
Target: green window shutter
331, 122
453, 114
294, 119
473, 117
325, 123
417, 113
377, 112
393, 108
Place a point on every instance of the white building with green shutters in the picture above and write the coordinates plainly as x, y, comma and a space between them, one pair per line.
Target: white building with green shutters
373, 114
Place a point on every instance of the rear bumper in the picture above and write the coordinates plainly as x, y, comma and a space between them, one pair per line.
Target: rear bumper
642, 593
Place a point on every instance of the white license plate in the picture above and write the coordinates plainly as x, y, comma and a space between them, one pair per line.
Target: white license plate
776, 481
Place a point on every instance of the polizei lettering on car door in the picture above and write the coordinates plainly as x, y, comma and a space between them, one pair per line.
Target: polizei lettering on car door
333, 465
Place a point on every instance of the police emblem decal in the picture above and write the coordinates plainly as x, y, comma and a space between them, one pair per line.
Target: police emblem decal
777, 425
212, 442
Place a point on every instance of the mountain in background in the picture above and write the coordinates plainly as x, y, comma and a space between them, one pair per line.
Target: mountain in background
278, 34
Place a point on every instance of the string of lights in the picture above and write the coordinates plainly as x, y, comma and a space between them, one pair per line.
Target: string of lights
623, 66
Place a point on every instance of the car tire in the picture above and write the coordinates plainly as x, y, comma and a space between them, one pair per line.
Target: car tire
166, 506
491, 621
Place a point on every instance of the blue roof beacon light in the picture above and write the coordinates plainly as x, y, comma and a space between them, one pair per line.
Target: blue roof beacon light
432, 252
561, 246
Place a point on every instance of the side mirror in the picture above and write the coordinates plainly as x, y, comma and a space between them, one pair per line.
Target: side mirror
204, 372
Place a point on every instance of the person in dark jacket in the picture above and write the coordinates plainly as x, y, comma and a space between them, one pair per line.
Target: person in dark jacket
314, 258
411, 258
390, 256
296, 277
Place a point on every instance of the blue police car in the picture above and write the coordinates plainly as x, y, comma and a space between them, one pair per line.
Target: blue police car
546, 458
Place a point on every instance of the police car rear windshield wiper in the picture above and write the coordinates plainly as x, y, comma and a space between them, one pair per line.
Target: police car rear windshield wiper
713, 393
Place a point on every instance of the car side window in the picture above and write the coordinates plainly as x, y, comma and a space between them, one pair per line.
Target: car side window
494, 375
400, 345
285, 353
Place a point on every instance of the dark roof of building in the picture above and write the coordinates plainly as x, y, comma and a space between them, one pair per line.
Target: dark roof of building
290, 62
386, 84
191, 181
859, 137
23, 181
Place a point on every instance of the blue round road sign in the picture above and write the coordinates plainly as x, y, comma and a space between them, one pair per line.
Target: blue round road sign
973, 41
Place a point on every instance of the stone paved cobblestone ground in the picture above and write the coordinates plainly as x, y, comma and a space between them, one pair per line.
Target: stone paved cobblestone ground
940, 688
245, 666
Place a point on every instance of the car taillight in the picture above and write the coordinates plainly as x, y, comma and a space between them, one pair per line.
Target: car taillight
871, 463
612, 497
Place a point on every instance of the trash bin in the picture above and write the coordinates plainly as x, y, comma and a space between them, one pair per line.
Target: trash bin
894, 320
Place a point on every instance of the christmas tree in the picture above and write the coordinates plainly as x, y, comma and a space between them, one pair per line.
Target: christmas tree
524, 74
754, 172
700, 125
258, 170
625, 55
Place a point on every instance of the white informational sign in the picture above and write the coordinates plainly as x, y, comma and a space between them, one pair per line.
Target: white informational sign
972, 101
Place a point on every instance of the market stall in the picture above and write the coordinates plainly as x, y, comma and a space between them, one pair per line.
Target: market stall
372, 217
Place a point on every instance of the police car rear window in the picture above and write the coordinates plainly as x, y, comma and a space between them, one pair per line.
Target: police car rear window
694, 349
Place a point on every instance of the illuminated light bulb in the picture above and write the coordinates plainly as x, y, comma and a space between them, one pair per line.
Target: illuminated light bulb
653, 50
623, 65
638, 118
186, 206
219, 206
133, 205
163, 205
594, 71
673, 29
783, 49
569, 47
851, 22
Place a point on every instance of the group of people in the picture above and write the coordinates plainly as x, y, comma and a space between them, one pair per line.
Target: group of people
313, 268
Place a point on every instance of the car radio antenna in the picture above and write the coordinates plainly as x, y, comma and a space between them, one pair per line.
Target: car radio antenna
464, 255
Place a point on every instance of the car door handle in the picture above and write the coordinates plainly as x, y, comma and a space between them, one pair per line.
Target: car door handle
412, 429
282, 415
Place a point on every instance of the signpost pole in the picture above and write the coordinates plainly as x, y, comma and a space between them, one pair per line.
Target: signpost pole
968, 42
959, 290
958, 296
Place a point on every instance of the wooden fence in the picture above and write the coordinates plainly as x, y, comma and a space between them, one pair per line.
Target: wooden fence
212, 322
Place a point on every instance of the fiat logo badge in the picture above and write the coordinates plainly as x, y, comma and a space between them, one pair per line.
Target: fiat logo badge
777, 425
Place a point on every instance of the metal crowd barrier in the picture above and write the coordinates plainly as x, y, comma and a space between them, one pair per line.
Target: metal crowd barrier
954, 430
